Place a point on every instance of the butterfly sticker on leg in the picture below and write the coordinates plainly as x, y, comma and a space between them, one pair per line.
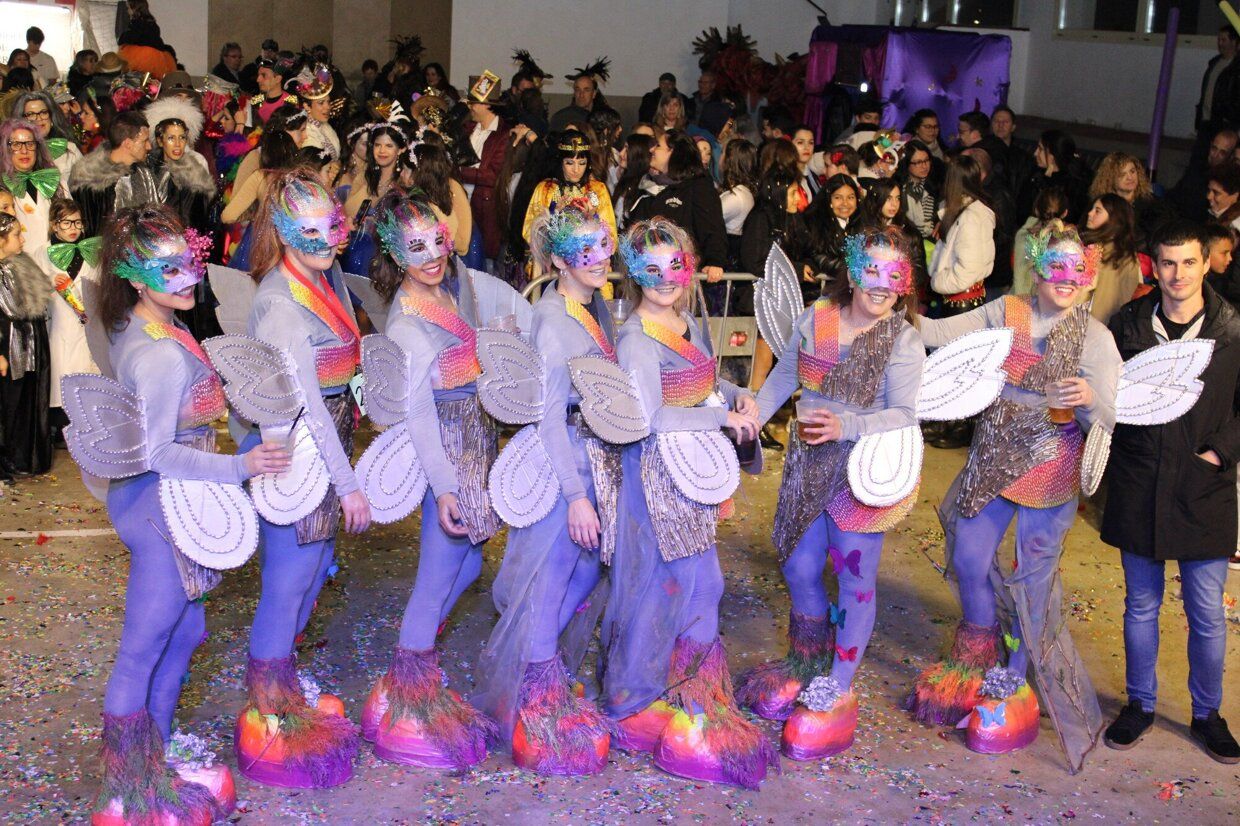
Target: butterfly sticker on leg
846, 654
837, 615
839, 561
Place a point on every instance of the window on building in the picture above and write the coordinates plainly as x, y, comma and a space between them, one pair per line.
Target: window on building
1139, 17
980, 13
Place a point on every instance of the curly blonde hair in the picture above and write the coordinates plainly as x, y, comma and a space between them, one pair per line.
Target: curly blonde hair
1111, 168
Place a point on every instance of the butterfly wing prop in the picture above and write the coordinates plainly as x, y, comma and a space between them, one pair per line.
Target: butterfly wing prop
387, 369
965, 376
777, 300
702, 464
609, 401
235, 290
284, 498
511, 387
107, 426
374, 305
1155, 387
259, 379
884, 468
523, 484
391, 476
1161, 384
212, 523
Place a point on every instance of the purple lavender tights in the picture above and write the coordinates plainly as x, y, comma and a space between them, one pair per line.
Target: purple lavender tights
703, 578
162, 628
292, 576
1039, 542
858, 580
447, 565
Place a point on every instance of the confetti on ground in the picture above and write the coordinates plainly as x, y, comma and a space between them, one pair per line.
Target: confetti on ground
61, 607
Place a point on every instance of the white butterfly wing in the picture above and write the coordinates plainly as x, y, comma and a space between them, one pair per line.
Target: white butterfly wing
107, 427
883, 468
284, 498
1162, 384
523, 484
965, 376
372, 302
235, 290
386, 366
511, 387
391, 476
609, 402
777, 300
212, 523
702, 464
259, 379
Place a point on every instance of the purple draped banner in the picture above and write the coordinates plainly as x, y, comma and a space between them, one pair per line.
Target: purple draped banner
950, 72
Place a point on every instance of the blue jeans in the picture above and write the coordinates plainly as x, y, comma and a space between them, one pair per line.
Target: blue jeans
1202, 586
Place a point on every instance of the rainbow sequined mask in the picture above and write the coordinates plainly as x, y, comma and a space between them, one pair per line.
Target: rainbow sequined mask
653, 269
304, 210
581, 250
1067, 262
412, 242
876, 267
170, 264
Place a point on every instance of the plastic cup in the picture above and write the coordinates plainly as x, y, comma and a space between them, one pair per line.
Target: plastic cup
804, 407
1058, 415
278, 434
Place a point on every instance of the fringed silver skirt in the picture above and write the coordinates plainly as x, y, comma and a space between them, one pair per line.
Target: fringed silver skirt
1010, 440
813, 474
324, 521
682, 527
471, 443
605, 468
197, 579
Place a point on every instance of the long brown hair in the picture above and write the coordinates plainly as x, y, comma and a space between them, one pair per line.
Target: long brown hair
140, 227
840, 289
962, 187
268, 249
385, 273
1118, 236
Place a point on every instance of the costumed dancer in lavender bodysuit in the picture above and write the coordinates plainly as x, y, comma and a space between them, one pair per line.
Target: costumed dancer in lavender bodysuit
858, 361
552, 564
666, 681
1024, 463
411, 715
157, 444
283, 736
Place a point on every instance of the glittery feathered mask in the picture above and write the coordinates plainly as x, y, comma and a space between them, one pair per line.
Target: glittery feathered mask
1059, 257
309, 219
413, 235
580, 239
653, 269
164, 262
878, 261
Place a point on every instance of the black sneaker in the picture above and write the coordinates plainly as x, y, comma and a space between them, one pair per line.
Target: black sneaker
1129, 727
1211, 732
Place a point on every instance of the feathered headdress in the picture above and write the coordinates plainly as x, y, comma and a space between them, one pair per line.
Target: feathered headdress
523, 59
600, 70
409, 48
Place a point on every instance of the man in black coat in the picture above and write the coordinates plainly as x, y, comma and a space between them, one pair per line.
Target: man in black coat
1173, 494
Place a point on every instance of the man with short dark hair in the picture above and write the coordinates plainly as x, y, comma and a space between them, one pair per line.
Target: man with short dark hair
707, 92
777, 122
585, 91
272, 75
973, 129
115, 175
1020, 163
1173, 495
229, 67
867, 117
248, 78
42, 63
1219, 104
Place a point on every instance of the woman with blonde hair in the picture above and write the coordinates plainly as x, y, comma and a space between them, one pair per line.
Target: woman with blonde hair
671, 113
